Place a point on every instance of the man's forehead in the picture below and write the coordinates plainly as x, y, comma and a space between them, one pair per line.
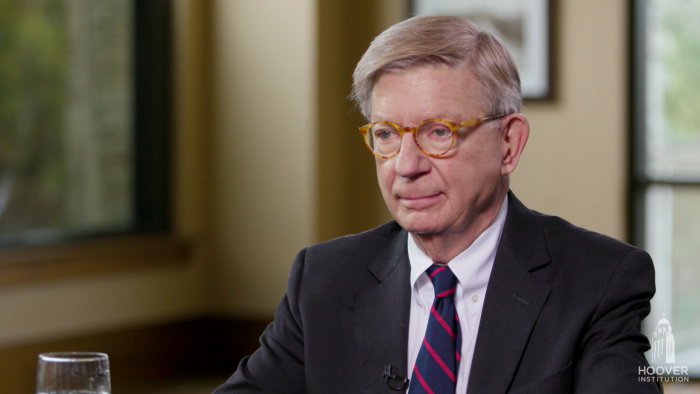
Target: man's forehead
409, 96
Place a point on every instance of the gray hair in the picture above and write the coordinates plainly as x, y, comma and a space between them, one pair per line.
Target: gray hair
446, 40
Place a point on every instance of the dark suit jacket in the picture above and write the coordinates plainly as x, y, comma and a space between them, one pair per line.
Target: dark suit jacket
562, 314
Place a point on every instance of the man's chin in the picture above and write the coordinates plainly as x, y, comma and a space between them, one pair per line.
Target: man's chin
420, 226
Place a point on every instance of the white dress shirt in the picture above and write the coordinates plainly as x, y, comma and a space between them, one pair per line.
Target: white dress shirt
472, 268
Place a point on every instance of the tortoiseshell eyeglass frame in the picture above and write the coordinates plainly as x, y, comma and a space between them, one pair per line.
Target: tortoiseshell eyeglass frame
401, 130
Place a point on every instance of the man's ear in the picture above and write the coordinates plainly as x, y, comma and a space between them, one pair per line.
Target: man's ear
515, 130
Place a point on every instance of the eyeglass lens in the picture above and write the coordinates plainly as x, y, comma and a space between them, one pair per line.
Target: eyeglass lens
433, 137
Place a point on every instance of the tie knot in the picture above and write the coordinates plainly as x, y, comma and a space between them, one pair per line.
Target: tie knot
444, 281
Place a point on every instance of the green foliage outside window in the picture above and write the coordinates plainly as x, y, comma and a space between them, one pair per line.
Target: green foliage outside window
680, 54
32, 94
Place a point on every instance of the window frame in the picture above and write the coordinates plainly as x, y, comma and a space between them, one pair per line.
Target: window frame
639, 181
150, 241
152, 108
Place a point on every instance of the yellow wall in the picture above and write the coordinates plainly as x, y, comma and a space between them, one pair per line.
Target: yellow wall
264, 149
574, 164
350, 201
282, 68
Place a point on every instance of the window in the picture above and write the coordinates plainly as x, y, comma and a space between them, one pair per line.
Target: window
666, 163
84, 118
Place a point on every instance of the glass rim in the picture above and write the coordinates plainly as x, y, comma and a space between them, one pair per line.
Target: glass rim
71, 357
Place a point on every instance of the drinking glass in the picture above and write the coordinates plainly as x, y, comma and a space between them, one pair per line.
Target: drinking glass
73, 373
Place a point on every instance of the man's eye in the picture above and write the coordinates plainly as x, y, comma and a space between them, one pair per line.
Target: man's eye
384, 134
441, 132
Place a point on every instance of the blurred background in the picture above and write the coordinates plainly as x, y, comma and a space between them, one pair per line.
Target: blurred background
162, 162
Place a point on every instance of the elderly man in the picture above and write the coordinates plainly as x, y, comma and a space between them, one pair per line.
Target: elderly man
467, 290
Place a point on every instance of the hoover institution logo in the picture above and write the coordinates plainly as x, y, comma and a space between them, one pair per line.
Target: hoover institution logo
662, 345
663, 351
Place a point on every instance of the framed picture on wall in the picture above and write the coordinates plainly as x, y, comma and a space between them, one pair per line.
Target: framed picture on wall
523, 26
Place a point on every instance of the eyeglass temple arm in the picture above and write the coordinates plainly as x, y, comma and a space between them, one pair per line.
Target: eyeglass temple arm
475, 121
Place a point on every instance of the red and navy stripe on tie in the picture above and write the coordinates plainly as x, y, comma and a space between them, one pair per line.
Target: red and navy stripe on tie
435, 371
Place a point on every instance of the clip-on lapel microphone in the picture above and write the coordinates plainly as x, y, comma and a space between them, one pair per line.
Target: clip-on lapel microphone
389, 377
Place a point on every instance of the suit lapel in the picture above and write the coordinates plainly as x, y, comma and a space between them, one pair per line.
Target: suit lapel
382, 312
514, 299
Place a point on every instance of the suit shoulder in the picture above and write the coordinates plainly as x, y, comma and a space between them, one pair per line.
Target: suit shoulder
370, 239
586, 262
339, 266
564, 238
350, 254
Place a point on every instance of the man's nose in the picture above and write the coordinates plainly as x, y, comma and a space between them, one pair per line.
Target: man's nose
411, 160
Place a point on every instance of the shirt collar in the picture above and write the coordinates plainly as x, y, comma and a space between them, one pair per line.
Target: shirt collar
472, 266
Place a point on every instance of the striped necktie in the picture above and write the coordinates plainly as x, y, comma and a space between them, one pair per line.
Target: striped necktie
435, 371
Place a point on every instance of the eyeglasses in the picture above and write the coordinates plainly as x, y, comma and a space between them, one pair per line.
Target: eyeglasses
435, 137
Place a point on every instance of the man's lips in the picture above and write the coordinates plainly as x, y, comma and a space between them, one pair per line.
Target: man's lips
419, 201
411, 197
